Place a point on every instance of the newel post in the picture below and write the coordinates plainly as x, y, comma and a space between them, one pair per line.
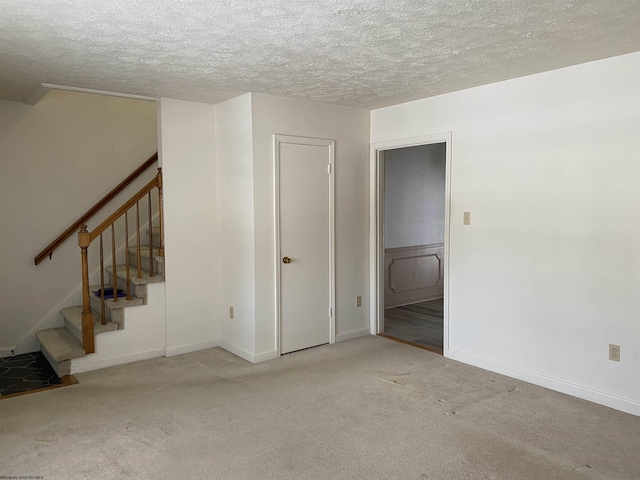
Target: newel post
84, 239
160, 214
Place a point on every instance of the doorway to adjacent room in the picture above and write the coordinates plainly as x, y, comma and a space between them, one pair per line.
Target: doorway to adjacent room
412, 242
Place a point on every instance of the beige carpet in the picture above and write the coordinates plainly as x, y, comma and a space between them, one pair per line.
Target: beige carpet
366, 409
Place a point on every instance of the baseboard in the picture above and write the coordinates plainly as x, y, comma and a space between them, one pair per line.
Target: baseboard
611, 401
6, 351
194, 347
263, 357
85, 364
342, 337
249, 357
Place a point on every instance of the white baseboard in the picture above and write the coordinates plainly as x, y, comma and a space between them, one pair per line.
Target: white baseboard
6, 351
611, 401
84, 364
249, 357
194, 347
342, 337
263, 357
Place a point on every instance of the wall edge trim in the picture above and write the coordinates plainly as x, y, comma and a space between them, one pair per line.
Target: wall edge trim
191, 347
6, 351
81, 365
343, 337
239, 352
606, 399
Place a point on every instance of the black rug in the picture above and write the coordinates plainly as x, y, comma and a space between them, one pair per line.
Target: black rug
29, 371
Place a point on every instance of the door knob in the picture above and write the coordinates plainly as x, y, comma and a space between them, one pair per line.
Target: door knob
286, 260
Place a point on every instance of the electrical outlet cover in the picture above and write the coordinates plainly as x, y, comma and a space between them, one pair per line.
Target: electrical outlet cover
614, 352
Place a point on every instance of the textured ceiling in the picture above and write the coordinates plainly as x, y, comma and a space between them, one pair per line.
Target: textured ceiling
361, 53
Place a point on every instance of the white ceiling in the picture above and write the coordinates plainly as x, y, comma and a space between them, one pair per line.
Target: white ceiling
360, 53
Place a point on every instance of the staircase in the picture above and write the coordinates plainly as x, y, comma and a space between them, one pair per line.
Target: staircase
61, 345
141, 265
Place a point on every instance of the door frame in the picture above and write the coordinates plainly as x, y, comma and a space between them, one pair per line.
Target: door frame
316, 142
376, 231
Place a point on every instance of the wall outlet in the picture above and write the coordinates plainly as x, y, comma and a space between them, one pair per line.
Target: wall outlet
467, 218
231, 312
358, 301
614, 352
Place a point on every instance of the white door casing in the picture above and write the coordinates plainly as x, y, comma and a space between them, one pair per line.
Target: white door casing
304, 229
376, 217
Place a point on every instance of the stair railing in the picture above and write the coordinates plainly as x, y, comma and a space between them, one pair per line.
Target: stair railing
85, 238
48, 252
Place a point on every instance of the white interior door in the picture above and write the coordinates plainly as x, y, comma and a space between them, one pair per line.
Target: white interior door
305, 258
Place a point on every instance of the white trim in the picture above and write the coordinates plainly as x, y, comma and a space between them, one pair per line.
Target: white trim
376, 258
98, 92
320, 142
343, 337
7, 351
612, 401
86, 364
263, 357
249, 357
193, 347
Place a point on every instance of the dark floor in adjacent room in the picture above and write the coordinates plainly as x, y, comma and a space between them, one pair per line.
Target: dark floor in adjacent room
420, 324
27, 373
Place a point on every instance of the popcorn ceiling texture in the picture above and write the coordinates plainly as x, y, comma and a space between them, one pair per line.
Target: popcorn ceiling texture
359, 53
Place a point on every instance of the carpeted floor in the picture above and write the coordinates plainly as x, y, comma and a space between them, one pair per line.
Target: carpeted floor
369, 408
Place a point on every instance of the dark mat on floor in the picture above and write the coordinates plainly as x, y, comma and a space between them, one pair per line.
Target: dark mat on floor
26, 372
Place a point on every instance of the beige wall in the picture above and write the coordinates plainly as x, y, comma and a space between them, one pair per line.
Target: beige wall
57, 158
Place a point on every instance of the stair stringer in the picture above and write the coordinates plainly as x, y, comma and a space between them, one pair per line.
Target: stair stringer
143, 337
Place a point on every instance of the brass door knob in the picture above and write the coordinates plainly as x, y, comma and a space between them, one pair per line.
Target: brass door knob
286, 260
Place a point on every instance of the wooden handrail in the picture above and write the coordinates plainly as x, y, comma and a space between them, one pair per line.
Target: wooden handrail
95, 233
47, 252
85, 238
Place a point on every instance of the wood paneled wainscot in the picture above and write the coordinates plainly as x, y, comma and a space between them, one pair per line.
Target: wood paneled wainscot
413, 274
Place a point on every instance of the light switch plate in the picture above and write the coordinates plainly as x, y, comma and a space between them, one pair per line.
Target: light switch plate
467, 218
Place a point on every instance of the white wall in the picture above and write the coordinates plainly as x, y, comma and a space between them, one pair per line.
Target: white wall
350, 129
143, 337
187, 155
414, 191
234, 157
57, 159
548, 274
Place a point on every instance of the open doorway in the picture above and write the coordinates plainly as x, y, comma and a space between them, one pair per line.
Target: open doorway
412, 209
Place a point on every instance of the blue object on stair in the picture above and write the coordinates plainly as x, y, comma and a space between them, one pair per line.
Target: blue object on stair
108, 293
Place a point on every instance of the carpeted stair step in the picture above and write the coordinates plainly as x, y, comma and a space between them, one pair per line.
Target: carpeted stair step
73, 322
114, 310
59, 346
121, 272
144, 258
